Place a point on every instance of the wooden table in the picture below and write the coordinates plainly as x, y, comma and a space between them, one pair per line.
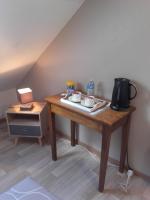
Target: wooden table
105, 123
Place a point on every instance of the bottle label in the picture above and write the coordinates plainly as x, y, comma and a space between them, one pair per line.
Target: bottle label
90, 88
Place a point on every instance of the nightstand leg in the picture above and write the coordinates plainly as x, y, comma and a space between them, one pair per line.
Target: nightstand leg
16, 141
40, 141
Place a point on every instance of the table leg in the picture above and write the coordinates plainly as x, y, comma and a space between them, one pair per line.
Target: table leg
124, 143
77, 133
53, 136
47, 135
106, 136
73, 133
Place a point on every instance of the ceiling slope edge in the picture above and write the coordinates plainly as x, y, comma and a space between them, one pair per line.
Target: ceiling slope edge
24, 36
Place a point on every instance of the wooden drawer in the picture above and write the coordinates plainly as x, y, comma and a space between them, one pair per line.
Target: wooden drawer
29, 131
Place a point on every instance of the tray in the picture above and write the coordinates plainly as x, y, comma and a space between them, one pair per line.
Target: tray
99, 104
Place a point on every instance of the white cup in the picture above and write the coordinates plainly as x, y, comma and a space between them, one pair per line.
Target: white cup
76, 96
89, 101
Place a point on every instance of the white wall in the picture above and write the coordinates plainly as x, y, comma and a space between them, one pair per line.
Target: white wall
7, 98
104, 40
26, 29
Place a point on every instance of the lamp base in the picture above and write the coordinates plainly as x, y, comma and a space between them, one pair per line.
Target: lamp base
26, 107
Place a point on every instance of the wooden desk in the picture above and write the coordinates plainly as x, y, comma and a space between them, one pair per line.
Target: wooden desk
105, 123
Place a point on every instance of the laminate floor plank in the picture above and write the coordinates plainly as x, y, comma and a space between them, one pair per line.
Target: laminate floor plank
74, 176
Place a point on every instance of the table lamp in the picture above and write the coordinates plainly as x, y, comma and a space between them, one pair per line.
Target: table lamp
25, 98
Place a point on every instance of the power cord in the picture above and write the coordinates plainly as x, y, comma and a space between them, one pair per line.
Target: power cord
129, 174
125, 185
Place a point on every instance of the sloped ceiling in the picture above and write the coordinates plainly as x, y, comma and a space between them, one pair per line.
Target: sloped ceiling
26, 28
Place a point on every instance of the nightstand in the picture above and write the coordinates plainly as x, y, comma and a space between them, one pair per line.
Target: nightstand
33, 123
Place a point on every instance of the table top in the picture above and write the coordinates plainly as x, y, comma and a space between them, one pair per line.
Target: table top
108, 117
37, 108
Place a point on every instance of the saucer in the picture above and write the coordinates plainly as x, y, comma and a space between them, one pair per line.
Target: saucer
74, 100
88, 106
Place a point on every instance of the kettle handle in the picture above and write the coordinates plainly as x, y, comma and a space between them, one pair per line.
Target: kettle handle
132, 85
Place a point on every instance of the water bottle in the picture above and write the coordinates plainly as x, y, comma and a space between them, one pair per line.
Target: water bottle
90, 88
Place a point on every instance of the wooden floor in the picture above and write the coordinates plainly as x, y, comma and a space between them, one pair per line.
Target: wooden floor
73, 177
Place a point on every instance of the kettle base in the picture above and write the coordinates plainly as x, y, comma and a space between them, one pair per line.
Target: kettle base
114, 107
117, 108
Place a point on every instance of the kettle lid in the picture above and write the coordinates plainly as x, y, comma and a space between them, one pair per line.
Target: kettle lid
122, 79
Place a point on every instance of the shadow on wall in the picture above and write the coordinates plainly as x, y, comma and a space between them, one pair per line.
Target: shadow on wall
13, 77
142, 103
140, 128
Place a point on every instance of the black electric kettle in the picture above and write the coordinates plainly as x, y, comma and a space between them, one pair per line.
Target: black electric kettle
121, 95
